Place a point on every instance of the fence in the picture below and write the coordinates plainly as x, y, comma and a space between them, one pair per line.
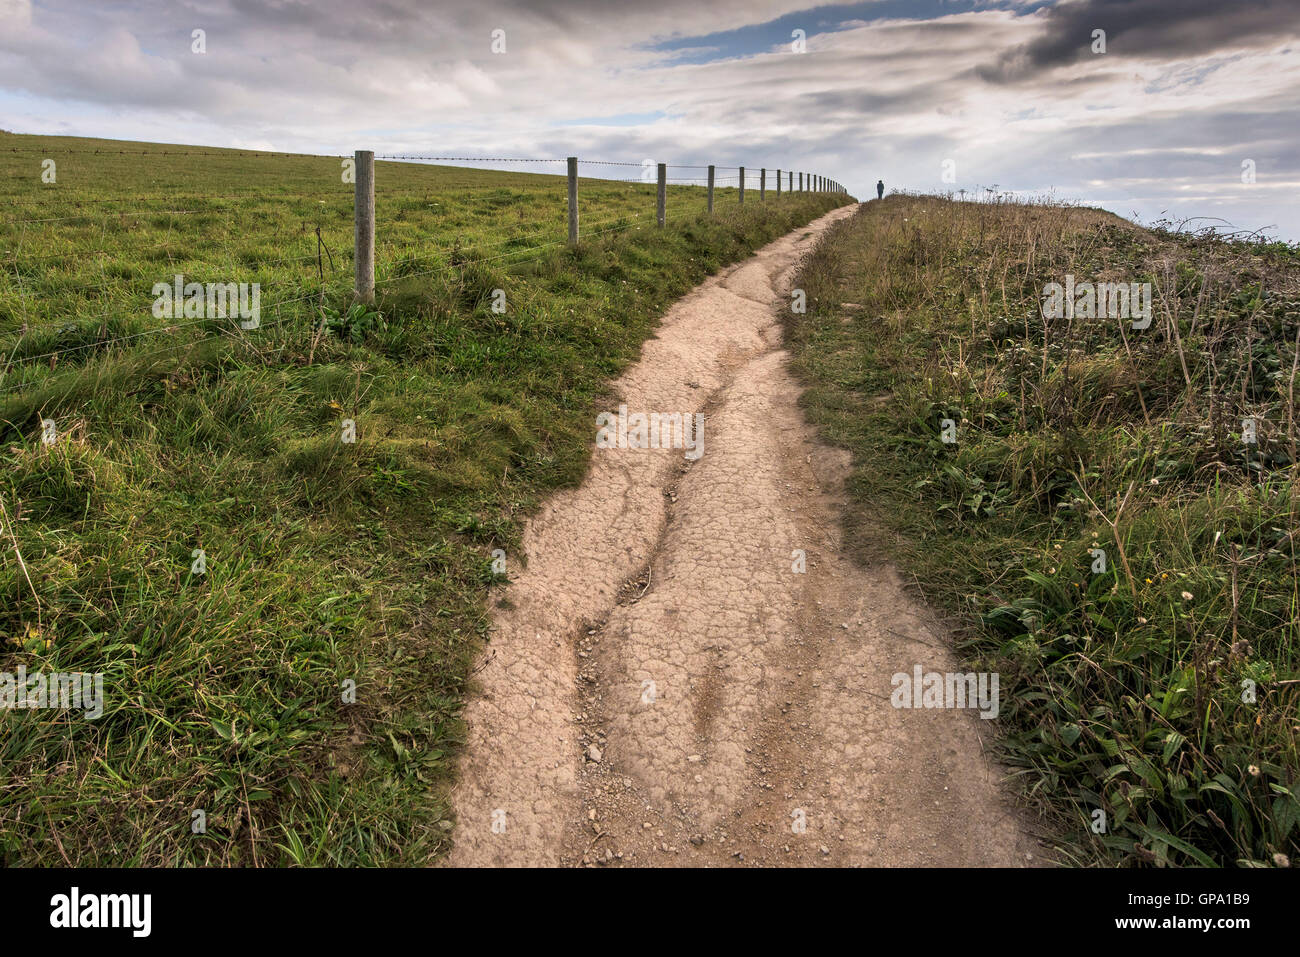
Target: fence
365, 197
89, 255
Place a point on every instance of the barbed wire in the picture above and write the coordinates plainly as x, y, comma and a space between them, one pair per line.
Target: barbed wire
171, 327
403, 196
466, 159
668, 165
16, 260
103, 344
396, 196
507, 253
232, 153
172, 196
148, 212
58, 289
509, 239
140, 357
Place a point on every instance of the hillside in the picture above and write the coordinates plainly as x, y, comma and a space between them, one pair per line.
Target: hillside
283, 618
1104, 504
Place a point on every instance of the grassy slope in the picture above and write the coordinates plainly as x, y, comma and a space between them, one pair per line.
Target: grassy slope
325, 561
1123, 690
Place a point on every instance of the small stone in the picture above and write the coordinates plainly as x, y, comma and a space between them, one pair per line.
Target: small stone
593, 754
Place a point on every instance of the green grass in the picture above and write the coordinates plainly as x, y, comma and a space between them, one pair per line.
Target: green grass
325, 562
1123, 690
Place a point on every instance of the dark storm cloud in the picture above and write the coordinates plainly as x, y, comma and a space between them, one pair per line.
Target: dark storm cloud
866, 103
1149, 29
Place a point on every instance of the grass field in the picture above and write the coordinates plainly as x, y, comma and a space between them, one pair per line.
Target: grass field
326, 562
1164, 690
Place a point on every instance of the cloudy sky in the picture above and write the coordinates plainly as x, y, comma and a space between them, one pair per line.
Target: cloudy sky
996, 92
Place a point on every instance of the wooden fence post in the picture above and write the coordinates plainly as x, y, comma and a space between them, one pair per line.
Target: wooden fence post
801, 182
742, 186
778, 184
364, 238
762, 183
572, 165
663, 193
711, 172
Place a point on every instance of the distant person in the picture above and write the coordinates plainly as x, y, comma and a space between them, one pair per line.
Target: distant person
880, 189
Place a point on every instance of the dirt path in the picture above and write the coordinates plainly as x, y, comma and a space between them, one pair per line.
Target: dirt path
664, 688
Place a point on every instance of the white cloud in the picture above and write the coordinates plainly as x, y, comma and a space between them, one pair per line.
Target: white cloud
889, 99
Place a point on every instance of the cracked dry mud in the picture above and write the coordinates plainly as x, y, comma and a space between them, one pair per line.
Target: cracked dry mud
770, 698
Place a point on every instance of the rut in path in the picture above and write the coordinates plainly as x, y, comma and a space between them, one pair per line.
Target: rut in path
664, 688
